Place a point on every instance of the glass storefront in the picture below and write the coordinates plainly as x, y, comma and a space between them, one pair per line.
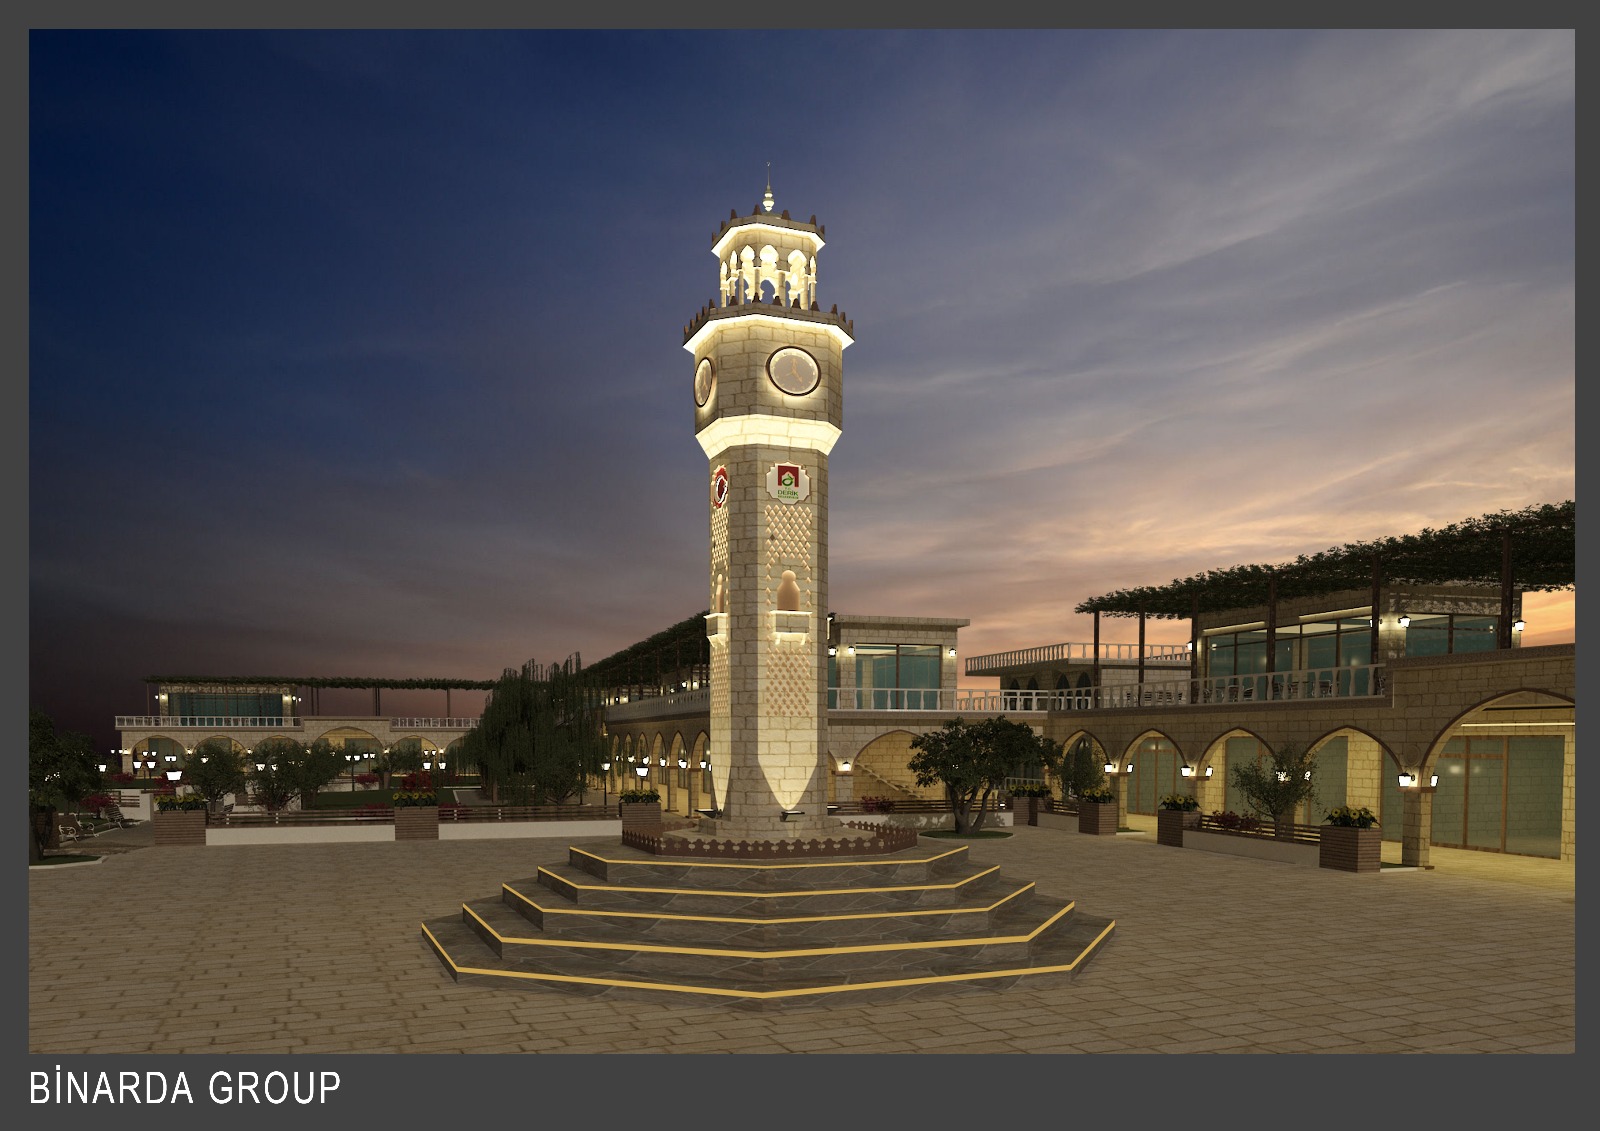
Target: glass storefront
1500, 793
895, 677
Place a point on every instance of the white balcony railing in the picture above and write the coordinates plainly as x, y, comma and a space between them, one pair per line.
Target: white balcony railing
206, 722
1164, 655
433, 724
1277, 687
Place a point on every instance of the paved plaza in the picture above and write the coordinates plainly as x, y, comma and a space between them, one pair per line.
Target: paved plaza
316, 948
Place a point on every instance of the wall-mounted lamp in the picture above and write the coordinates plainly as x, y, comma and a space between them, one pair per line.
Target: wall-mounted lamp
683, 763
1208, 771
705, 763
1407, 780
844, 766
850, 650
1518, 625
1433, 781
261, 767
951, 653
1188, 646
832, 651
1110, 767
1283, 775
1128, 769
663, 761
1405, 620
1186, 771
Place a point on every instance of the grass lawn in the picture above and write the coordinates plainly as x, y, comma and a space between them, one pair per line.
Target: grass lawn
981, 834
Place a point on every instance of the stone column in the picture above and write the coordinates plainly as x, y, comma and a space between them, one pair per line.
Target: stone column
1416, 807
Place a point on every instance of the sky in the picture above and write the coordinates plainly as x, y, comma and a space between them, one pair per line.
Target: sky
360, 353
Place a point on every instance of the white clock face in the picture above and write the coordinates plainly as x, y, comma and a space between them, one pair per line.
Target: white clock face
705, 381
794, 371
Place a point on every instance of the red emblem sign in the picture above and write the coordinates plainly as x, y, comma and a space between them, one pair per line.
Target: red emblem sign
719, 487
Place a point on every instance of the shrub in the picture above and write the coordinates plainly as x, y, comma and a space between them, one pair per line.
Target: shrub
172, 803
1181, 801
877, 805
1099, 793
639, 796
1037, 790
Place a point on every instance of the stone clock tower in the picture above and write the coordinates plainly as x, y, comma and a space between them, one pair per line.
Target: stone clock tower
768, 396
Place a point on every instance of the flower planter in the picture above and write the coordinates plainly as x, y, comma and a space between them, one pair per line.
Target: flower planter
1097, 818
1025, 809
180, 828
1170, 824
416, 822
639, 814
1350, 849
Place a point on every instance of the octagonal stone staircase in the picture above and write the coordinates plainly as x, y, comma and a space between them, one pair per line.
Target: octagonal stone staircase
623, 922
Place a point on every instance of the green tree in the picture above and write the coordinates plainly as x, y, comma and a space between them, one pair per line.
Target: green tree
1274, 790
972, 761
316, 766
61, 773
539, 737
272, 782
214, 770
1080, 767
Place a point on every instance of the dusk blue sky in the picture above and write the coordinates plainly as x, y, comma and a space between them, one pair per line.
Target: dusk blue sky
359, 353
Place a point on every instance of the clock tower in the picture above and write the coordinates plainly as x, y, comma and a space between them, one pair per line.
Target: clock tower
768, 397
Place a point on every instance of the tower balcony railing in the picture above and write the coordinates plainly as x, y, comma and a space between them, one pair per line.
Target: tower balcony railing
1165, 655
207, 722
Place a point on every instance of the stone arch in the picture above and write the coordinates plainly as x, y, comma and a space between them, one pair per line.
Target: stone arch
1444, 734
1212, 792
679, 781
657, 749
881, 767
1155, 757
1503, 788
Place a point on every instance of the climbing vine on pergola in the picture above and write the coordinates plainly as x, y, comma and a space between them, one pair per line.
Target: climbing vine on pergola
1530, 550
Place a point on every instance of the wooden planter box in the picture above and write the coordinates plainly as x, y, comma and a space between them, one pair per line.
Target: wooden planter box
1097, 818
1025, 809
180, 827
1351, 850
416, 822
639, 814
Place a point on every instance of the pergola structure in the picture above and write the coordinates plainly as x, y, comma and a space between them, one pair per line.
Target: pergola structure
316, 682
1530, 550
643, 668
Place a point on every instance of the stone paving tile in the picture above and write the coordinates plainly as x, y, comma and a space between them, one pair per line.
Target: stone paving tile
1211, 953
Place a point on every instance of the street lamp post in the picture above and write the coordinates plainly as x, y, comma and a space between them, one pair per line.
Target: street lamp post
351, 758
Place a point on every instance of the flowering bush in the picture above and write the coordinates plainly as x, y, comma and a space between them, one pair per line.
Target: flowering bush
1345, 817
415, 789
639, 796
173, 803
1037, 790
1181, 801
1235, 822
877, 805
101, 804
1100, 793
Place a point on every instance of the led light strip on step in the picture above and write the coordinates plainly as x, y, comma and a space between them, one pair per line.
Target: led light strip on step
761, 922
769, 995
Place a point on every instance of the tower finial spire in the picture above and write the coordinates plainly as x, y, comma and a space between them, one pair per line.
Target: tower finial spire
766, 201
